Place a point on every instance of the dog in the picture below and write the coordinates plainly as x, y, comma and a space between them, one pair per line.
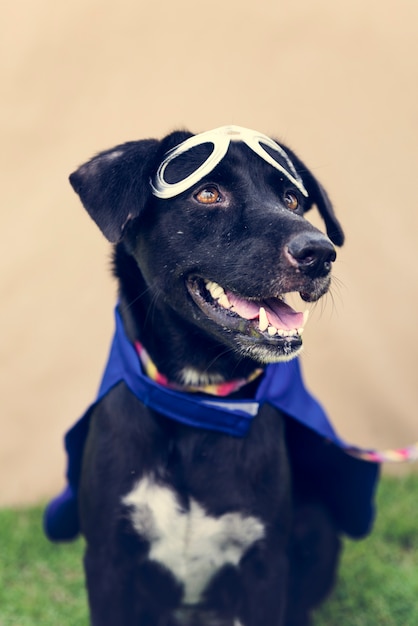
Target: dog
197, 506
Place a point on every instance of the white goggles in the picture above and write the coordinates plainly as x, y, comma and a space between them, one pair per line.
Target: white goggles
221, 138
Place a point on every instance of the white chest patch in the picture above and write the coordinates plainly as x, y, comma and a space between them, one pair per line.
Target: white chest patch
190, 543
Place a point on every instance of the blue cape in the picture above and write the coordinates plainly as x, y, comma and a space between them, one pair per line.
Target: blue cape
347, 484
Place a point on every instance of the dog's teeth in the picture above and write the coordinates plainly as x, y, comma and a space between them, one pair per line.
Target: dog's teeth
262, 319
217, 291
305, 316
224, 302
284, 333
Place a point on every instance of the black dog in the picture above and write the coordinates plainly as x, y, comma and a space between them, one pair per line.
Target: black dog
186, 524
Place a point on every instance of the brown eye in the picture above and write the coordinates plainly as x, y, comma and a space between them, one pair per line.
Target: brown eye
291, 201
208, 195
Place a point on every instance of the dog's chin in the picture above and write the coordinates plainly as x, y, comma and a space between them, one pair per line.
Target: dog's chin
270, 335
269, 352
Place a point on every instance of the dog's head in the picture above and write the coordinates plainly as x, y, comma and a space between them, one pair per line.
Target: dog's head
215, 223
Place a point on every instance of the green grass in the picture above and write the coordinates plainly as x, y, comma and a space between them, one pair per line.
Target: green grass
378, 582
42, 584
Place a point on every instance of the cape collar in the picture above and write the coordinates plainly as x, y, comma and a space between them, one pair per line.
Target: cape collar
281, 385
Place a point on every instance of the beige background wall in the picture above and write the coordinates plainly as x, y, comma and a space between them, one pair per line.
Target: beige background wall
335, 80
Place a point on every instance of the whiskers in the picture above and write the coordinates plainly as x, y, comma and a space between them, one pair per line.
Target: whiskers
227, 350
334, 293
333, 296
156, 294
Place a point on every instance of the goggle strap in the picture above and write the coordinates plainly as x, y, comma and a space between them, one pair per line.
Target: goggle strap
220, 138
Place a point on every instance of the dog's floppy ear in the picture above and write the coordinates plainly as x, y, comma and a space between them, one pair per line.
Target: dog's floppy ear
114, 185
320, 198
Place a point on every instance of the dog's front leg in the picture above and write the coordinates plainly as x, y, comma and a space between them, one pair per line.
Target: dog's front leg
125, 588
265, 567
314, 553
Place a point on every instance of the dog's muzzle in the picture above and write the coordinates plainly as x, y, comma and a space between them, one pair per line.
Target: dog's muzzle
270, 329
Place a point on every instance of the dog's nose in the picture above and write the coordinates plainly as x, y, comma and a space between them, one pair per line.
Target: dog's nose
311, 253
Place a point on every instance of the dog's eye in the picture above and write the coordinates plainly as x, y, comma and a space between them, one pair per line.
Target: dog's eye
208, 195
291, 201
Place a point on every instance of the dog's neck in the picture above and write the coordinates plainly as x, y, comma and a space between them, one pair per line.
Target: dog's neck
194, 382
212, 369
181, 352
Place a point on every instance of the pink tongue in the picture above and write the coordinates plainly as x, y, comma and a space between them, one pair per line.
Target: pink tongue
279, 314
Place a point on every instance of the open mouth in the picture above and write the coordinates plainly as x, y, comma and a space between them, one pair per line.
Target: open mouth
269, 321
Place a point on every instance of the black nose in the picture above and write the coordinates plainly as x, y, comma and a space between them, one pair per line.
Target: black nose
311, 253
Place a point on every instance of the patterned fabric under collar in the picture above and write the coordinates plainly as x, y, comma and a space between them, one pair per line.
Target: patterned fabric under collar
392, 455
218, 389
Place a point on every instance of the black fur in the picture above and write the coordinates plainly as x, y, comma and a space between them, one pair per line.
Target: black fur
251, 243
